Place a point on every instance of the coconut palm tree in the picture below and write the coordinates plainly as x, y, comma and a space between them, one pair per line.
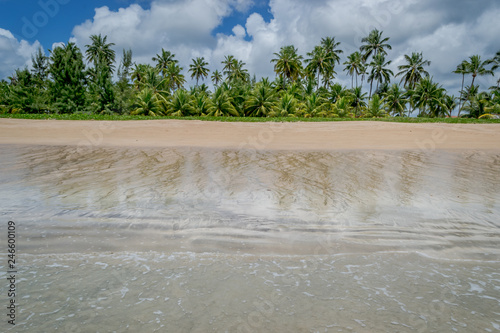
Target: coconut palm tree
477, 67
427, 94
174, 76
375, 107
198, 69
319, 63
379, 72
100, 52
286, 106
216, 77
463, 69
288, 64
354, 66
358, 100
413, 70
147, 104
221, 104
229, 63
395, 100
180, 104
261, 101
163, 60
333, 52
374, 44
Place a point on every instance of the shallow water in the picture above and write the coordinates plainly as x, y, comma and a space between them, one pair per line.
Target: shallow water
197, 240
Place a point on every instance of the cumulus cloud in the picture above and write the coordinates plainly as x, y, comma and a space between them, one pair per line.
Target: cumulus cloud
446, 31
14, 53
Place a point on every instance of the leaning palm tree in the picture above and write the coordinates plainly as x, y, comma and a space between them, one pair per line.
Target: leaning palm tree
374, 44
413, 70
477, 67
379, 72
288, 64
354, 66
198, 69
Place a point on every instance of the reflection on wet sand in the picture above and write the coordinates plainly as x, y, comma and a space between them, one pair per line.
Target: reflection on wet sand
256, 202
214, 240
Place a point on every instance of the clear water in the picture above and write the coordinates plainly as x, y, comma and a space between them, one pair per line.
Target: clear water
200, 240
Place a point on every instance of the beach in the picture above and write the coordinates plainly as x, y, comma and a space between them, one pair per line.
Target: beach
198, 226
266, 136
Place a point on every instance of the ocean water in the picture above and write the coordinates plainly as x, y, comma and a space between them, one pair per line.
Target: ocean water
215, 240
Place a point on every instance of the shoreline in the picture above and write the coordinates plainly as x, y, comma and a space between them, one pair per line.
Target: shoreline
318, 136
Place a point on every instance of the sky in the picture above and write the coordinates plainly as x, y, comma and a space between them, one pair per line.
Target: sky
445, 31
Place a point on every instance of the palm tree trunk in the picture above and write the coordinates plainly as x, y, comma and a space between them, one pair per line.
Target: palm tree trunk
468, 93
461, 93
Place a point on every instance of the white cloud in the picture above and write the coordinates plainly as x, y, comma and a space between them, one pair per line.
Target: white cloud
446, 31
14, 53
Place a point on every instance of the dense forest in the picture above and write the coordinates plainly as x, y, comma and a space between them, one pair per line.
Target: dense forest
70, 80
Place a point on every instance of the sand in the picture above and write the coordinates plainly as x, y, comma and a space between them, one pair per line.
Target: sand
260, 136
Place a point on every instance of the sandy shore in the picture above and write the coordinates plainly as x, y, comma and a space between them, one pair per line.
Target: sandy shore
286, 136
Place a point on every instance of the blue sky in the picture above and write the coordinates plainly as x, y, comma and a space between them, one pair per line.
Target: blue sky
446, 31
26, 21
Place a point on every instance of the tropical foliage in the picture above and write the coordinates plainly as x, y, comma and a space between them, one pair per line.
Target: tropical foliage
90, 82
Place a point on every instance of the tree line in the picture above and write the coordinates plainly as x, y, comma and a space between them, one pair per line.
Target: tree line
72, 81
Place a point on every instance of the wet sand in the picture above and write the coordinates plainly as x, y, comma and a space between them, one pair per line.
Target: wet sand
191, 226
276, 136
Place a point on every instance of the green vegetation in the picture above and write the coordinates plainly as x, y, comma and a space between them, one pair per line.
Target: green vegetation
75, 84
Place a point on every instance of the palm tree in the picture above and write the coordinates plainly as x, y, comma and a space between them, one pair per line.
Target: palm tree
229, 63
174, 76
180, 104
198, 69
146, 103
331, 48
427, 94
413, 70
354, 66
288, 64
358, 99
477, 67
374, 44
375, 107
343, 107
379, 71
261, 101
463, 69
285, 106
395, 100
163, 60
319, 63
216, 77
100, 52
221, 104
